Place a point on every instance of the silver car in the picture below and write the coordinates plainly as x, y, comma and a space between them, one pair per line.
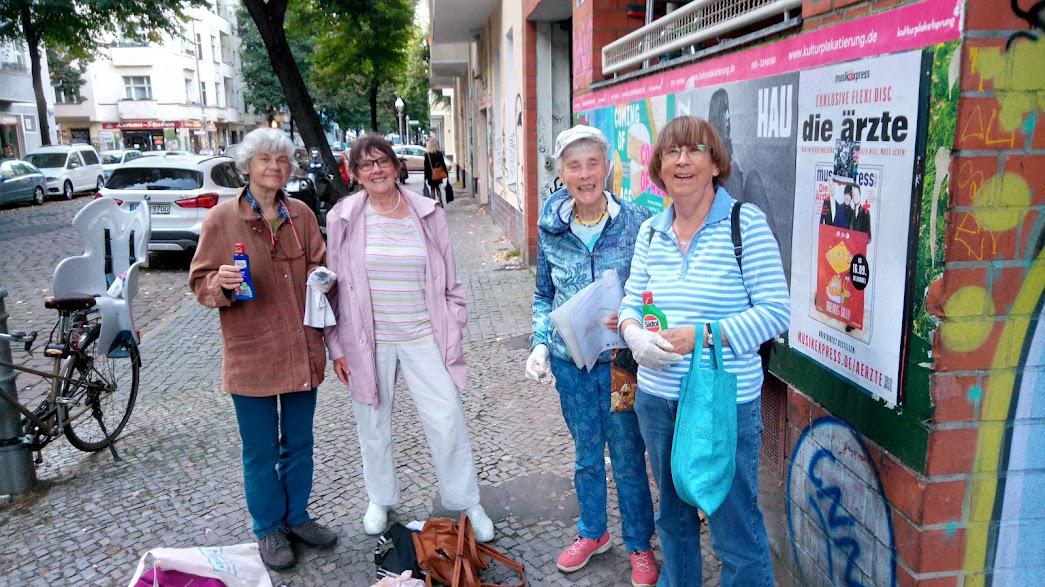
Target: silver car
179, 190
112, 159
20, 181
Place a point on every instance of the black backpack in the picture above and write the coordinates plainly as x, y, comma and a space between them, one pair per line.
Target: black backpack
767, 347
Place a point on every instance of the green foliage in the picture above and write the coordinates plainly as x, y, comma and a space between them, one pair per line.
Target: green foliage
361, 47
943, 117
66, 71
80, 26
413, 87
262, 89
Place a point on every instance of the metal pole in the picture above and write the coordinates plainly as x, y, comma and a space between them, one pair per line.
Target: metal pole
17, 474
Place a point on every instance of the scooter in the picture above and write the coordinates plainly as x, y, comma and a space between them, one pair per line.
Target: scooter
315, 187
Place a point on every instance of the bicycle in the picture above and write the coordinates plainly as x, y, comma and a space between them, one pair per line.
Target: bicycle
92, 390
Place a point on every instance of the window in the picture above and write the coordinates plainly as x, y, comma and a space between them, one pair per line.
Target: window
46, 160
154, 178
89, 157
230, 93
226, 48
226, 176
67, 95
24, 168
215, 49
203, 92
137, 87
7, 169
219, 92
199, 47
189, 94
74, 160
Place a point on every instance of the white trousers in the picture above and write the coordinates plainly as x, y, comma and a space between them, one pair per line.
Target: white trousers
441, 414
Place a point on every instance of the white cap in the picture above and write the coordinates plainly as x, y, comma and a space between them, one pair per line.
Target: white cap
572, 135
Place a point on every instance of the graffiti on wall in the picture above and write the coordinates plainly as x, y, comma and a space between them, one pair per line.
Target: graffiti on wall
999, 222
839, 522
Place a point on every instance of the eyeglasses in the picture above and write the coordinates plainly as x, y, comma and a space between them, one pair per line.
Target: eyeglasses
673, 154
368, 164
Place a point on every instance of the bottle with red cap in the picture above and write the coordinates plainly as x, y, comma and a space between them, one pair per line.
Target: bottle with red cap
242, 260
653, 319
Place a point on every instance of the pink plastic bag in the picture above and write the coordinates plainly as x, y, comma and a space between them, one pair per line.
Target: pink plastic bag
163, 578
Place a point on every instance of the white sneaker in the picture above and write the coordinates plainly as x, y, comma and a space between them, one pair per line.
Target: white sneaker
376, 519
481, 523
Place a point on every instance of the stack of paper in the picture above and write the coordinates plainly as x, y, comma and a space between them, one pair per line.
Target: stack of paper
581, 320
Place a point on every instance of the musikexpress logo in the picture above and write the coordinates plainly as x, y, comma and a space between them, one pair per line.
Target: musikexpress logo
852, 76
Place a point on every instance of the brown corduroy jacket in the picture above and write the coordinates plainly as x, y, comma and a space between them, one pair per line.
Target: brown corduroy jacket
267, 348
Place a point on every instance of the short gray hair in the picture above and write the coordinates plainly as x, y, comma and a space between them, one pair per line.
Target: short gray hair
264, 140
602, 145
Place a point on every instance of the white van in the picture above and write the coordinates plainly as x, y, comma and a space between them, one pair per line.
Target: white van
69, 168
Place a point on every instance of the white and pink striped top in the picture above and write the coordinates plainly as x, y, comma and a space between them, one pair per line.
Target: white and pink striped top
395, 267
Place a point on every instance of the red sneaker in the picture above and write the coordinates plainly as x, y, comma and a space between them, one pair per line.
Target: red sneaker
577, 555
644, 572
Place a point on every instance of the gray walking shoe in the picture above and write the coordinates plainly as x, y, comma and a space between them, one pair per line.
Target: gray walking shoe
313, 534
276, 552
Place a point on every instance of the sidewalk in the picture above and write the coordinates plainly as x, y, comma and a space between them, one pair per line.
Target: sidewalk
180, 484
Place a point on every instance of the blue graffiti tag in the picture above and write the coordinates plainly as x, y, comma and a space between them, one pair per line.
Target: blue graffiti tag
836, 518
825, 500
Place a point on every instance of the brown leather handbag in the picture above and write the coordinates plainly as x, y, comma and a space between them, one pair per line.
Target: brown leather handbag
447, 552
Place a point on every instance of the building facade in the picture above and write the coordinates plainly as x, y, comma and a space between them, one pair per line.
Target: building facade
906, 394
184, 93
19, 117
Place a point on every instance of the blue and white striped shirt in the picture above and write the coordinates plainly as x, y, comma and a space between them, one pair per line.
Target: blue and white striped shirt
707, 285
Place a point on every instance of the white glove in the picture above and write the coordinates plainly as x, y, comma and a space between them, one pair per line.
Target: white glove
651, 350
537, 366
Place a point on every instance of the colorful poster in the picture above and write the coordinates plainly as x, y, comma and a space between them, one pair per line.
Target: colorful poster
854, 174
757, 120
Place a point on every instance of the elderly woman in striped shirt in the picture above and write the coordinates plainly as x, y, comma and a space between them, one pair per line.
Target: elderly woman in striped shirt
400, 309
685, 256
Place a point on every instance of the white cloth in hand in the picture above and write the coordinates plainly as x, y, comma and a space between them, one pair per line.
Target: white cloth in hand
650, 349
537, 366
317, 308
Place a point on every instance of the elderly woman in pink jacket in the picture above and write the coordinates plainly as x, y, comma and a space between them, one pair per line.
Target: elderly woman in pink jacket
400, 308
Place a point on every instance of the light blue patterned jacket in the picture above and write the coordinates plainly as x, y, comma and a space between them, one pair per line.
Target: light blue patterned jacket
565, 266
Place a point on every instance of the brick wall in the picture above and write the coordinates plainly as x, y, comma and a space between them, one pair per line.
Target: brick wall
975, 512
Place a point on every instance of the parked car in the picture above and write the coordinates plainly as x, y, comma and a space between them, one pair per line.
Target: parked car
412, 155
110, 159
167, 154
69, 168
20, 181
179, 191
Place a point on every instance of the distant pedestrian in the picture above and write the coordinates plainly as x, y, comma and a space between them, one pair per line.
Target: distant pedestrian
400, 309
685, 256
9, 152
435, 170
584, 230
272, 363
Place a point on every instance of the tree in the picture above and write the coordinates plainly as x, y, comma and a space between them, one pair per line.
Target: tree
413, 86
269, 18
80, 26
363, 40
66, 71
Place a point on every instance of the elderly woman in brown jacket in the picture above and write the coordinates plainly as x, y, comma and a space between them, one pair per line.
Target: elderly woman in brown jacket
272, 362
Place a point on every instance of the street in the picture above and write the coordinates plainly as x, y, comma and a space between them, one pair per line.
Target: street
180, 483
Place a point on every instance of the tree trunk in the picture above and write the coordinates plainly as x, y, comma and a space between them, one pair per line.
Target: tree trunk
269, 18
32, 38
373, 105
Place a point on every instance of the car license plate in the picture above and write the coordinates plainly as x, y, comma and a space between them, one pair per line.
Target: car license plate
160, 208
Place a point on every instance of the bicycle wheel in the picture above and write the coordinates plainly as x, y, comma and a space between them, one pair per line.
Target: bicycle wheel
96, 381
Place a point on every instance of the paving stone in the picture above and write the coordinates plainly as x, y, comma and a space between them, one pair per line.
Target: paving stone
180, 481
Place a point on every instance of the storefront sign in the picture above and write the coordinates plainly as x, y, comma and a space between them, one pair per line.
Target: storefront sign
151, 124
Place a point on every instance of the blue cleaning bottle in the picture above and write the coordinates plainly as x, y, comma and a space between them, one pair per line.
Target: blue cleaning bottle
241, 260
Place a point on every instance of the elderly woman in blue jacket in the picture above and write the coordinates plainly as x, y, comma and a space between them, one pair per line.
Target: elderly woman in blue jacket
584, 230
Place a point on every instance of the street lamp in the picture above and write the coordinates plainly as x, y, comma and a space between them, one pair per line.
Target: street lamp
399, 108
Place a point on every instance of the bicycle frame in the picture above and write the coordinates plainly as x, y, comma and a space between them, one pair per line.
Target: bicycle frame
52, 420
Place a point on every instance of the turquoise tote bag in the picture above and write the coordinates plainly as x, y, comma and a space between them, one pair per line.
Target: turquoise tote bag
704, 448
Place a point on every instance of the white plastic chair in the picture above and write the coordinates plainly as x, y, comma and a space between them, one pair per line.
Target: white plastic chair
116, 242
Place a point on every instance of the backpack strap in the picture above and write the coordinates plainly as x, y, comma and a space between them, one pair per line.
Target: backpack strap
738, 241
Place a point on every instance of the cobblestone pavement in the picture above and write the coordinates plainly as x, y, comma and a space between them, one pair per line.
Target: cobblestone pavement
34, 239
179, 483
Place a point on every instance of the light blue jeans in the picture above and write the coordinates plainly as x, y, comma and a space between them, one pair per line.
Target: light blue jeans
277, 457
738, 532
585, 400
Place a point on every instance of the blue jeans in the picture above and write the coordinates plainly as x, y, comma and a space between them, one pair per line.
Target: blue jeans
738, 533
277, 457
585, 400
